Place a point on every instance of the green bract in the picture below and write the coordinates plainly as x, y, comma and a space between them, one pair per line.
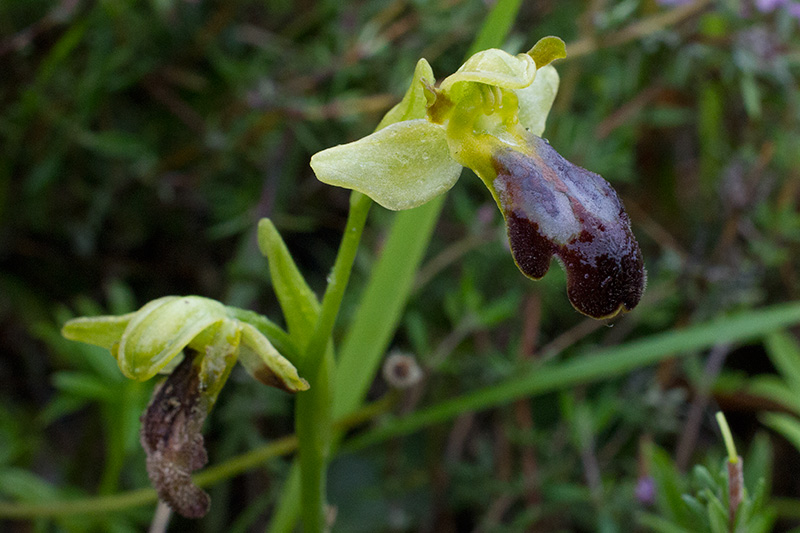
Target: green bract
488, 116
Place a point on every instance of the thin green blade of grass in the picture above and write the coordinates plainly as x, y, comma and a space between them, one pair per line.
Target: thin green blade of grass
496, 27
592, 367
786, 425
784, 353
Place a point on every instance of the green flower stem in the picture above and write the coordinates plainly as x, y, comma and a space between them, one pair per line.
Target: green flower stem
337, 281
313, 415
208, 477
312, 424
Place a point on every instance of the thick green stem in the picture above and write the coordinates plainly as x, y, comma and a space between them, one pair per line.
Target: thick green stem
313, 427
313, 416
337, 281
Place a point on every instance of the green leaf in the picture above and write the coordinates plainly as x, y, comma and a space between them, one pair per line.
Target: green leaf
758, 464
414, 104
784, 353
84, 385
786, 425
299, 303
115, 144
763, 523
381, 305
659, 524
694, 505
669, 486
401, 166
594, 366
25, 486
704, 479
750, 95
774, 388
717, 514
496, 26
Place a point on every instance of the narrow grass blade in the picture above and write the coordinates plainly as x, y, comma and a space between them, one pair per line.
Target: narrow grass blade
591, 367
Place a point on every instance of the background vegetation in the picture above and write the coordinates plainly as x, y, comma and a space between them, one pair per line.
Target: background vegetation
140, 143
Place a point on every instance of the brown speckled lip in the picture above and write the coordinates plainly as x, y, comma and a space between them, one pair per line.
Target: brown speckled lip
172, 440
605, 271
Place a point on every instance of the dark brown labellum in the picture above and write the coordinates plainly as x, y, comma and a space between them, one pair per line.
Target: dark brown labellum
553, 207
173, 442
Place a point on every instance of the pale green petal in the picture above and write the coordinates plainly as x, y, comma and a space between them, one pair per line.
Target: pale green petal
103, 331
218, 355
265, 364
161, 330
413, 105
548, 49
401, 166
536, 100
495, 67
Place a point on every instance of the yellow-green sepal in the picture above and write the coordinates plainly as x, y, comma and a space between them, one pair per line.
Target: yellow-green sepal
401, 166
262, 361
103, 331
413, 105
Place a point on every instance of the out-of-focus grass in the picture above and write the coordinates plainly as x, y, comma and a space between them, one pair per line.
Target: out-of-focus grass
141, 141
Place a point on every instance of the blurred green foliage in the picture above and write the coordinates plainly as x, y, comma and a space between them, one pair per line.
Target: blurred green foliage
141, 141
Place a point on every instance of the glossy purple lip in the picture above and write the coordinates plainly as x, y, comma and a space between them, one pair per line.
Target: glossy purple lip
553, 207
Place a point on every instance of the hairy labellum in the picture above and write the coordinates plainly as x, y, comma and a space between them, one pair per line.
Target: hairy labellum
553, 207
172, 439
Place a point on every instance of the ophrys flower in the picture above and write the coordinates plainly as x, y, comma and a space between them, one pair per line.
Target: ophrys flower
488, 116
205, 339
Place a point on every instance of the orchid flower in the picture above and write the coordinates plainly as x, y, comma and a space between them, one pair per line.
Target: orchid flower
210, 340
489, 116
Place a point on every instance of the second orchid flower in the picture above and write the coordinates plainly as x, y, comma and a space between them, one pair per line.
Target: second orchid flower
488, 116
